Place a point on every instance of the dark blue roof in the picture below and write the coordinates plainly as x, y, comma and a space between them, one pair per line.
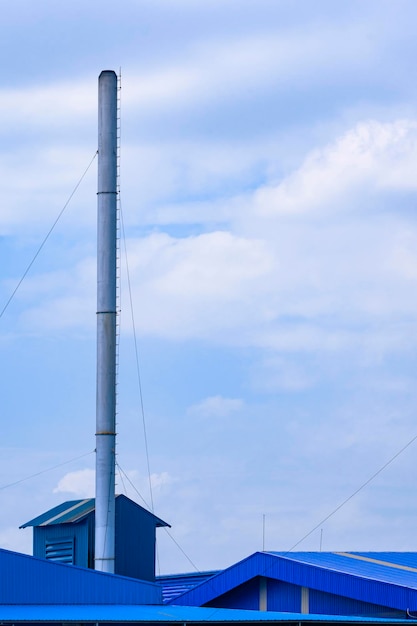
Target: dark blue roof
387, 579
74, 511
170, 615
67, 512
27, 580
175, 584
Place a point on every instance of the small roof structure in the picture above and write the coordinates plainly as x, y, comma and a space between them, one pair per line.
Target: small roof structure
74, 511
66, 533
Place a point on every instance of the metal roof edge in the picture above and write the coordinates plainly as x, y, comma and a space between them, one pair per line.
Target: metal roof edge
59, 509
188, 574
176, 614
55, 513
159, 523
75, 568
298, 572
336, 572
213, 582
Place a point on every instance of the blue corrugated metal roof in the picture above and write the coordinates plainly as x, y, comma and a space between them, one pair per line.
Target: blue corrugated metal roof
75, 511
175, 584
406, 559
30, 580
386, 567
71, 511
170, 615
380, 583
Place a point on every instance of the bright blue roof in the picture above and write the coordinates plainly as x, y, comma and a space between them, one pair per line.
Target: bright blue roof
399, 568
385, 579
170, 615
27, 580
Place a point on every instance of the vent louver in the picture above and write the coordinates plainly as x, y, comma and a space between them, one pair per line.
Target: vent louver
61, 551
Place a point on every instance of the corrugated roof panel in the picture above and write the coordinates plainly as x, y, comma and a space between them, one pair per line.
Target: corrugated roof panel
247, 597
408, 559
73, 513
76, 510
357, 579
171, 615
26, 580
66, 512
373, 566
329, 603
328, 572
174, 585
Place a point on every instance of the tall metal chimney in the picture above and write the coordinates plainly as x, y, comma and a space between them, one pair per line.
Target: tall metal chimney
106, 323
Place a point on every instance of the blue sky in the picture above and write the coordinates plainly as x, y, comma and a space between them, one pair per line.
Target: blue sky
269, 154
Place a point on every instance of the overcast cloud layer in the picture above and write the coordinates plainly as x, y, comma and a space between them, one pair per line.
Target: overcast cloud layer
268, 192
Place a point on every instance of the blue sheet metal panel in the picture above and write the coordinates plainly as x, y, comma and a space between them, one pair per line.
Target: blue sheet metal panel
328, 603
135, 541
223, 582
337, 562
283, 596
57, 511
28, 580
246, 596
170, 615
296, 569
79, 512
331, 580
130, 504
175, 584
76, 510
406, 559
54, 533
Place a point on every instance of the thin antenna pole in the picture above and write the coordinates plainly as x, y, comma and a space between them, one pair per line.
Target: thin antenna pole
105, 512
263, 532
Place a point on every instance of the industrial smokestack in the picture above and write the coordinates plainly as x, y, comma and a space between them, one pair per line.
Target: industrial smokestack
106, 323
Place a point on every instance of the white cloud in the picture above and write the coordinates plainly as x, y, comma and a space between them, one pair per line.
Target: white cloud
285, 266
48, 105
80, 483
370, 158
158, 481
216, 406
280, 269
212, 69
307, 289
196, 286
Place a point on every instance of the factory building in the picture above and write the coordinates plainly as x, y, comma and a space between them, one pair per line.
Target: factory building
40, 591
379, 585
266, 588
